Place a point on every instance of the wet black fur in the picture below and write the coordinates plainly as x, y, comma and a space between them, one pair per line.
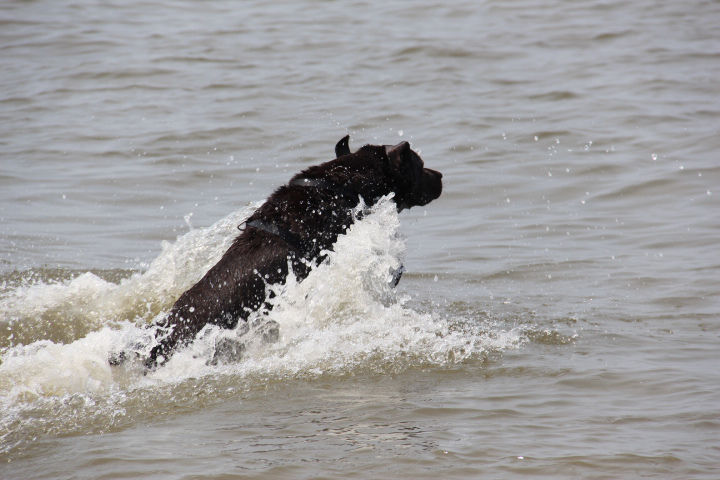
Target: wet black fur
235, 286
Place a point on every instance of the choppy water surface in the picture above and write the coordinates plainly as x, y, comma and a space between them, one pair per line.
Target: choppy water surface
559, 316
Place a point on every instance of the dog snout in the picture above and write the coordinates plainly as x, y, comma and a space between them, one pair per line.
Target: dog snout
430, 186
435, 172
436, 179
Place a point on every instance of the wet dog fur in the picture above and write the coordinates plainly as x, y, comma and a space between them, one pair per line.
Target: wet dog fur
290, 230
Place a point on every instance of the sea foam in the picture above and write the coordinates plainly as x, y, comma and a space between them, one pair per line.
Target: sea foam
343, 319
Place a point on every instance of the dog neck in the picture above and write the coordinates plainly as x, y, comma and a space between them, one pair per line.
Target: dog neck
325, 185
290, 238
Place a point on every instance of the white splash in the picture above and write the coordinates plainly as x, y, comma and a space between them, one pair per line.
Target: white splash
343, 319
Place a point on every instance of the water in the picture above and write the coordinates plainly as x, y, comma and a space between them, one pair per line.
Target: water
559, 316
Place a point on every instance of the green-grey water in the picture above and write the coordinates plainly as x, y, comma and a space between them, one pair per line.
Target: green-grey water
559, 317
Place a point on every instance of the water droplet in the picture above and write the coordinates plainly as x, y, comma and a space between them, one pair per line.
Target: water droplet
400, 133
654, 156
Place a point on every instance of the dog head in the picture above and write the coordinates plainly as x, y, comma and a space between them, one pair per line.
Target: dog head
377, 170
415, 185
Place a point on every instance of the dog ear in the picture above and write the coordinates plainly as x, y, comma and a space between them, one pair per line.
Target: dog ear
343, 147
397, 153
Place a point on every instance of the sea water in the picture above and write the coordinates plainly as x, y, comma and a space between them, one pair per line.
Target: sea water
559, 315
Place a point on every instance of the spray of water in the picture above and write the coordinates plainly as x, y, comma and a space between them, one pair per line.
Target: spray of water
344, 318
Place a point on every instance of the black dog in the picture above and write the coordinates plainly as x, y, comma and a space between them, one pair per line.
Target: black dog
297, 222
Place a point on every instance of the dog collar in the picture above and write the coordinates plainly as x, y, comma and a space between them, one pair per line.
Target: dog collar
285, 234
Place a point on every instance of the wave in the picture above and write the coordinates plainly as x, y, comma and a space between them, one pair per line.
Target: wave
343, 319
